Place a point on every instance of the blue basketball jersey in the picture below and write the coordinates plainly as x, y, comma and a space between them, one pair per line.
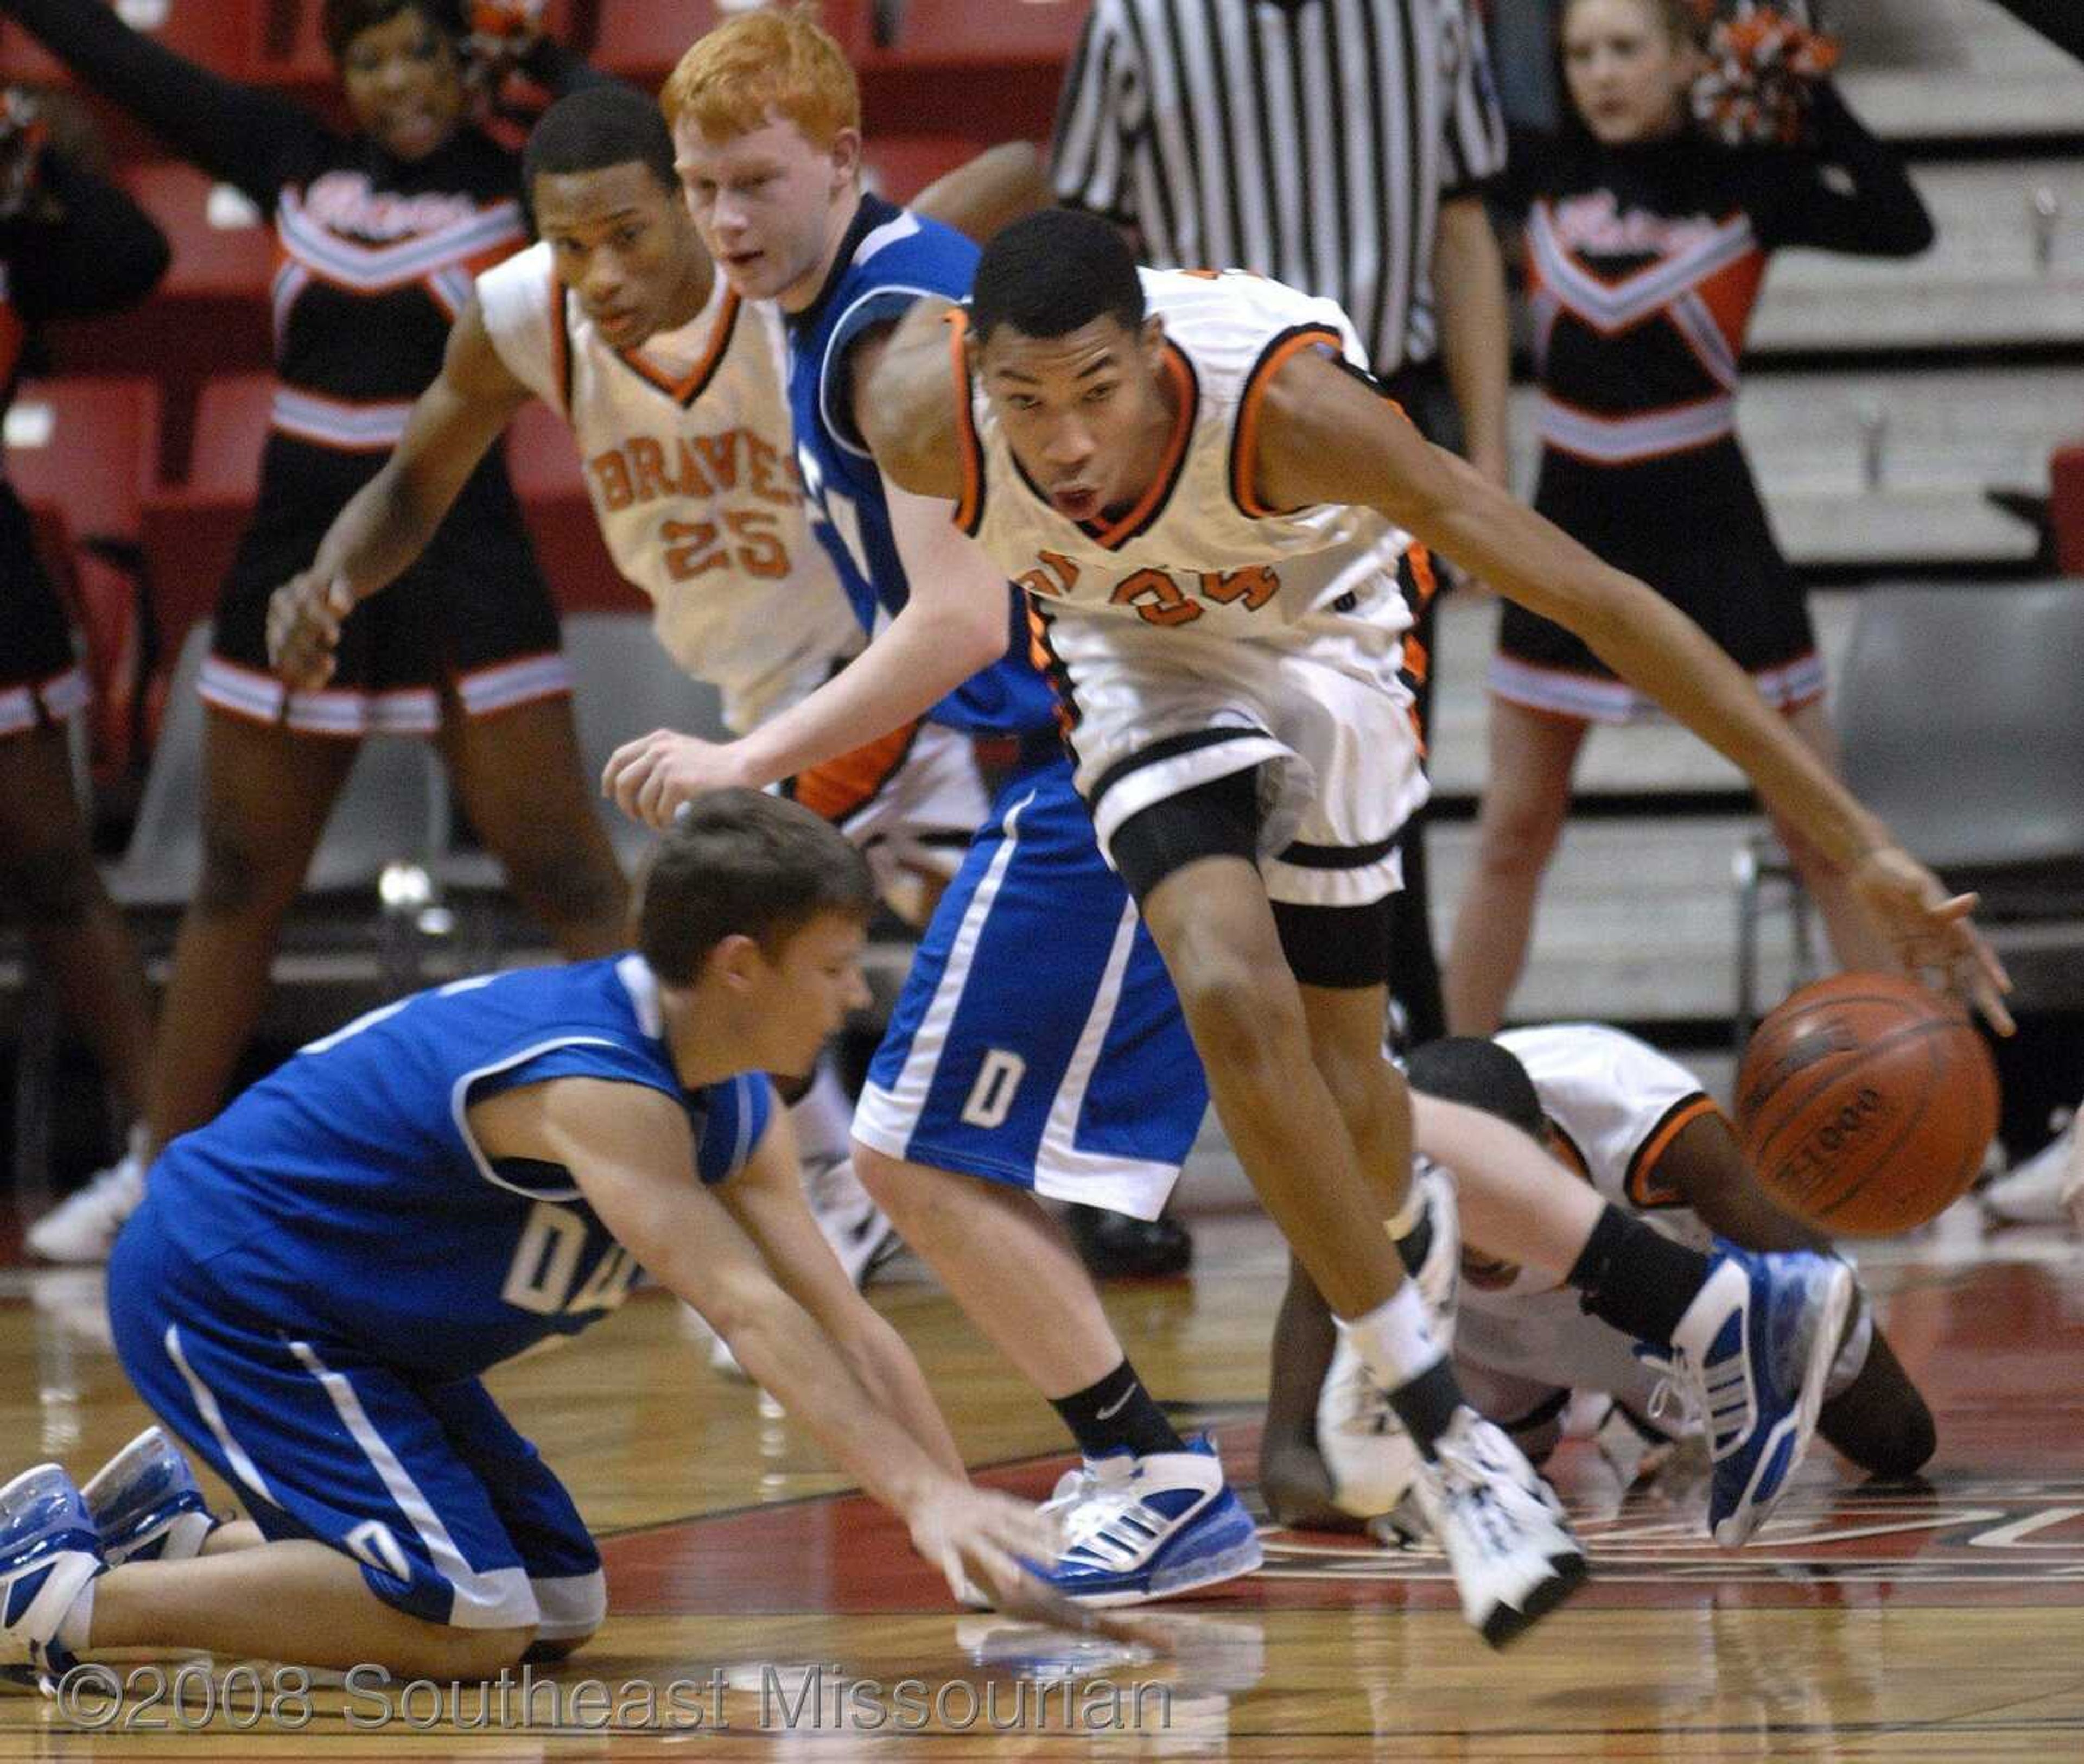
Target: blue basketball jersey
345, 1188
889, 259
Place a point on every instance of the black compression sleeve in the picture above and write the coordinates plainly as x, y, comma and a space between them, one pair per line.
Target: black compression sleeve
1880, 215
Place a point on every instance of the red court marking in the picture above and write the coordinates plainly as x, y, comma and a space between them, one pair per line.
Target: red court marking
1996, 1348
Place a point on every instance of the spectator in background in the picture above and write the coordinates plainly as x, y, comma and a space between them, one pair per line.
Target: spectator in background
1647, 244
70, 245
381, 230
1342, 149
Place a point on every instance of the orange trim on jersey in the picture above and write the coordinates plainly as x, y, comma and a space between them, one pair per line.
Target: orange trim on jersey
686, 391
1244, 452
847, 784
1188, 396
969, 506
1420, 561
1643, 1189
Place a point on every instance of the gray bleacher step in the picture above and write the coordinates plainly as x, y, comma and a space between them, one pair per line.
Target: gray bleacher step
1960, 69
1636, 921
1640, 758
2000, 271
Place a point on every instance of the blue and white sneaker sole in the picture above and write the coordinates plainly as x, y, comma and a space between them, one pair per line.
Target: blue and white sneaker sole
1752, 1512
1234, 1550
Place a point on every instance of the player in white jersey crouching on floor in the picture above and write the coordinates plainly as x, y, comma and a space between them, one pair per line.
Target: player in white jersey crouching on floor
672, 384
1616, 1116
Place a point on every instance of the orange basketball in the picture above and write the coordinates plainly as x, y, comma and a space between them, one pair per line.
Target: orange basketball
1866, 1105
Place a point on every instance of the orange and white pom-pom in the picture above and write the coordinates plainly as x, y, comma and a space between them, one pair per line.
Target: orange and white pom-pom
1762, 63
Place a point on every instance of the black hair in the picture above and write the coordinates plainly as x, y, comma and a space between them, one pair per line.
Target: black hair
1468, 1069
340, 22
740, 863
1050, 273
595, 127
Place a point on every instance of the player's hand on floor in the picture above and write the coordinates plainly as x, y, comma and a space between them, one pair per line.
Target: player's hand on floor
304, 618
651, 777
977, 1539
1930, 932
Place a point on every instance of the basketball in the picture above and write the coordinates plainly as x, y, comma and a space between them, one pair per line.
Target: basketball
1866, 1105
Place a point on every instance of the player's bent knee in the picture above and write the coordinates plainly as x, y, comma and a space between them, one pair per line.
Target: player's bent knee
571, 1608
1239, 1017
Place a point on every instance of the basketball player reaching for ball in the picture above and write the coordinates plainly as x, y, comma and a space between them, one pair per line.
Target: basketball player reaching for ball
1134, 433
672, 386
626, 259
317, 1280
1625, 1128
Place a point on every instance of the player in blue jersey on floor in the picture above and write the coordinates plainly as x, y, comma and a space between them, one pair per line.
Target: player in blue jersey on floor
317, 1280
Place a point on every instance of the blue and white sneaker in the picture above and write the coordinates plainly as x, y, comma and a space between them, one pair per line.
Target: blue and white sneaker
146, 1505
1750, 1358
1137, 1528
47, 1553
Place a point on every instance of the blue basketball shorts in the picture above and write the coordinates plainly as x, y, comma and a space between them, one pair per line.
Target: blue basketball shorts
1038, 1040
452, 1514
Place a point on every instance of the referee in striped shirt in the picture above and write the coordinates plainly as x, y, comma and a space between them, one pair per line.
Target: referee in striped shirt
1340, 146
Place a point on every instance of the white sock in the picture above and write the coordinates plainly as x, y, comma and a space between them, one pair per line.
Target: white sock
75, 1625
1405, 1220
1395, 1340
822, 1115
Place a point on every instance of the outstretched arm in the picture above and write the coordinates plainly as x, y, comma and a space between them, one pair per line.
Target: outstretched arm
766, 1198
388, 522
630, 1150
1327, 436
247, 136
958, 619
1001, 185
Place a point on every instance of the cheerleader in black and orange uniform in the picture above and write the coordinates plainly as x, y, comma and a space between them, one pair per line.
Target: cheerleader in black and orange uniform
380, 232
70, 244
1647, 242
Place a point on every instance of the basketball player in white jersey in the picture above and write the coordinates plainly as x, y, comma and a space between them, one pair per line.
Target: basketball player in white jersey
672, 387
1208, 504
1633, 1127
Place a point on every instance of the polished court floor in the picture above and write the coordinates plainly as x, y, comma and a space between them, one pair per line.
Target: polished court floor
759, 1610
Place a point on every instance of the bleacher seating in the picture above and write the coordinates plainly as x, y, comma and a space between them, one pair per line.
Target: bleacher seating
190, 530
86, 450
231, 37
641, 40
957, 35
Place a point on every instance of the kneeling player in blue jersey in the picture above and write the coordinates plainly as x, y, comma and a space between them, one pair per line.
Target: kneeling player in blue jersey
317, 1279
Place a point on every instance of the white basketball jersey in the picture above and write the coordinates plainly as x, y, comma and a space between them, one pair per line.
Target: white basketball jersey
690, 463
1198, 551
1616, 1104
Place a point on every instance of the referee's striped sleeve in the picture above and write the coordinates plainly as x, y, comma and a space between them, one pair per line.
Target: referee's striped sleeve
1473, 143
1097, 115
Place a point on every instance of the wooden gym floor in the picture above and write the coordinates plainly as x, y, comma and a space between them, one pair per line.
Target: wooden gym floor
760, 1611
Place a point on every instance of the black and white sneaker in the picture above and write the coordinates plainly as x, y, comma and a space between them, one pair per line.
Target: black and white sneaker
1513, 1557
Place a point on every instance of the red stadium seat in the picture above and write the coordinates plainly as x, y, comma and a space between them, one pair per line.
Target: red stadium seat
191, 530
641, 40
230, 37
2066, 506
216, 288
552, 486
303, 59
960, 33
87, 449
